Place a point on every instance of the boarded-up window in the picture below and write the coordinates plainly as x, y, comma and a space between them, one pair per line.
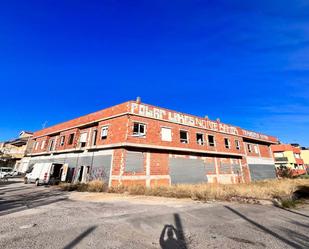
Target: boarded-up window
166, 134
134, 162
83, 137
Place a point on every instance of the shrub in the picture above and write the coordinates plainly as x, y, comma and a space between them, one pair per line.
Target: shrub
284, 172
68, 186
136, 190
117, 189
304, 176
288, 203
92, 186
97, 186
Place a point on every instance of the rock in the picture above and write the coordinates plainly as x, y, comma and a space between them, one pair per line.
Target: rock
27, 226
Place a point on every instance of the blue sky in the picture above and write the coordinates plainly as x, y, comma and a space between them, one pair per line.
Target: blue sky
246, 62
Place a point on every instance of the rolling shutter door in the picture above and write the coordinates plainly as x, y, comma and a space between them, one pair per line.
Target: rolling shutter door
262, 171
134, 162
210, 167
183, 170
225, 168
101, 167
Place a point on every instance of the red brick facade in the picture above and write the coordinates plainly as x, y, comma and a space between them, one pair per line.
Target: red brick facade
134, 127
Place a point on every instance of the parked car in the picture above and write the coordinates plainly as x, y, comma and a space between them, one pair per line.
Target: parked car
44, 173
5, 172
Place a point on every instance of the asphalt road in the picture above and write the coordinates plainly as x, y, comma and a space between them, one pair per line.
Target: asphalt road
42, 217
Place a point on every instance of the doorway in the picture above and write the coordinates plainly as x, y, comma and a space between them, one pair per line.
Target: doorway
83, 175
55, 174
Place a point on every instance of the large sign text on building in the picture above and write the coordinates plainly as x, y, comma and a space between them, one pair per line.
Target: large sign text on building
175, 117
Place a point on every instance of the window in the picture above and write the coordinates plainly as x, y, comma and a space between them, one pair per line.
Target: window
71, 138
42, 145
36, 145
200, 138
237, 143
94, 137
139, 129
166, 134
211, 140
249, 147
256, 149
184, 137
104, 132
278, 154
62, 140
227, 143
51, 145
83, 139
296, 155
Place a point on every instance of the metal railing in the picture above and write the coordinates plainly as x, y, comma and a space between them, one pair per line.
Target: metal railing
281, 159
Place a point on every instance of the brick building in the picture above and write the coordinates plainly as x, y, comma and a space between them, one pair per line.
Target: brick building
290, 156
136, 143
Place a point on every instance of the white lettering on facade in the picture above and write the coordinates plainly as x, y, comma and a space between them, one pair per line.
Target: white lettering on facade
179, 118
254, 135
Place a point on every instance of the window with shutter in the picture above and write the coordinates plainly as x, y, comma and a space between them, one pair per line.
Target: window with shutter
104, 132
83, 139
166, 134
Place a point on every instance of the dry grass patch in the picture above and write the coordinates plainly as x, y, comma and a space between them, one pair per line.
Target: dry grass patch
282, 190
97, 186
262, 190
92, 186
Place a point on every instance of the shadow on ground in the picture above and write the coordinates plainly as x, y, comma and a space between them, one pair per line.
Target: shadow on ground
289, 237
8, 182
175, 238
14, 203
75, 242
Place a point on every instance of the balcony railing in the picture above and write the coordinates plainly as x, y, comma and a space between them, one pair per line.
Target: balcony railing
281, 159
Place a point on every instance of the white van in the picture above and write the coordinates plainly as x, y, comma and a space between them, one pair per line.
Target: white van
46, 173
5, 172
